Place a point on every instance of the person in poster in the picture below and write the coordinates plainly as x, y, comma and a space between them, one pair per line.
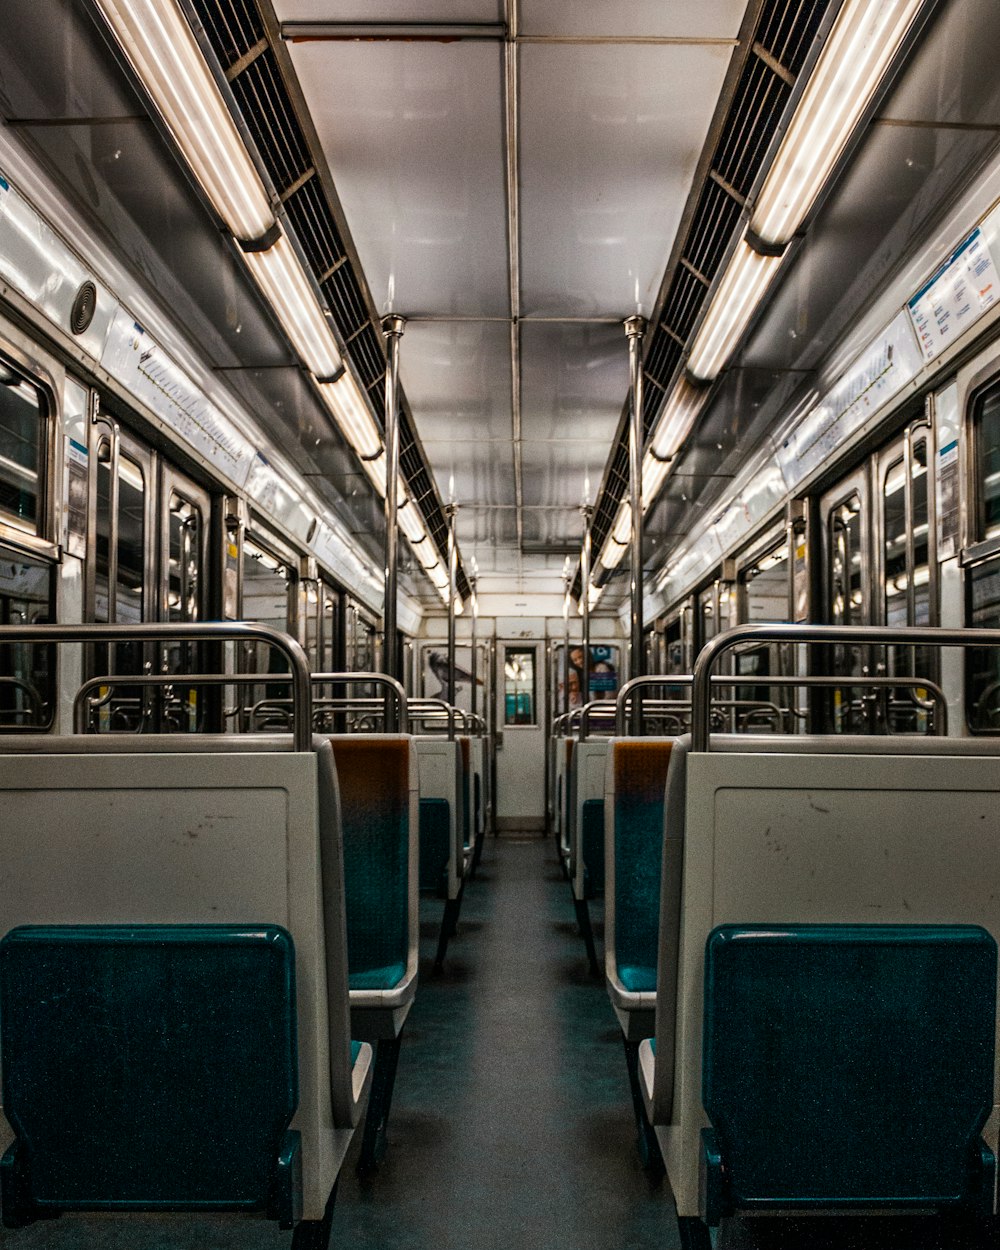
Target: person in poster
603, 674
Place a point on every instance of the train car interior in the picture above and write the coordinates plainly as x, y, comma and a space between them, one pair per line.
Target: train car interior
499, 624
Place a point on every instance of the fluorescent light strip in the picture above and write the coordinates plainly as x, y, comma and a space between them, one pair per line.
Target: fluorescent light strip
743, 285
280, 276
156, 38
352, 414
865, 37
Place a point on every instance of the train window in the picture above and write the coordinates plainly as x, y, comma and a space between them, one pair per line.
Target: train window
519, 686
714, 610
23, 413
846, 567
894, 563
185, 532
983, 663
673, 646
119, 557
764, 599
268, 586
27, 686
987, 440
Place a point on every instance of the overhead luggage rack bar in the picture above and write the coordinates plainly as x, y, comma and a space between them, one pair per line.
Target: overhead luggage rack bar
209, 631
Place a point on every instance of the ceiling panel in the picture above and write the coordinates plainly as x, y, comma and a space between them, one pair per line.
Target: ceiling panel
480, 530
554, 474
389, 10
473, 472
573, 381
457, 378
413, 133
679, 19
610, 137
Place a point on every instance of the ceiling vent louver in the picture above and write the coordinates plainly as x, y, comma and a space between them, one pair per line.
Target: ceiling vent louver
784, 36
239, 42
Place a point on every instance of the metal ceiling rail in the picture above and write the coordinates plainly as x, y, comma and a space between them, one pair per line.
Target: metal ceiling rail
512, 162
472, 32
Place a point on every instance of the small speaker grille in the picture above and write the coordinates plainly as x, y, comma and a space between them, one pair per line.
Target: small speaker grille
84, 307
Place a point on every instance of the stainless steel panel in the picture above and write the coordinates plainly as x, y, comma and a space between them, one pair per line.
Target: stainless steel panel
708, 19
457, 377
413, 133
474, 472
610, 136
574, 380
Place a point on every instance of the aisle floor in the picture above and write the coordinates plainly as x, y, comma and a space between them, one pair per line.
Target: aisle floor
511, 1125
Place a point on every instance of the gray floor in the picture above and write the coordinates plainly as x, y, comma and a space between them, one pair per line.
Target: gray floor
511, 1125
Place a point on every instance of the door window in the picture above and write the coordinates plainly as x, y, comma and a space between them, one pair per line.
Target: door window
23, 425
519, 686
27, 686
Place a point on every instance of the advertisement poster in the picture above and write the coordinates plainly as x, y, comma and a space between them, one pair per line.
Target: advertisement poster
603, 674
434, 670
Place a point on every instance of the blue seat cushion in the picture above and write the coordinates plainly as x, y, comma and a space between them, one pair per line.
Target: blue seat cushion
385, 978
637, 978
849, 1065
374, 779
640, 771
435, 842
147, 1066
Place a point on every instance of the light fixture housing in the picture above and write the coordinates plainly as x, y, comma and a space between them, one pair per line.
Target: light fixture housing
353, 416
617, 541
736, 298
864, 39
280, 276
157, 40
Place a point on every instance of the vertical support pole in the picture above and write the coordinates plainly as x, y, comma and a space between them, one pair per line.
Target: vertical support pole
392, 327
474, 667
567, 582
635, 329
585, 561
450, 511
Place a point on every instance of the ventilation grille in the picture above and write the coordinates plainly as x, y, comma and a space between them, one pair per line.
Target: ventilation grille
786, 30
239, 40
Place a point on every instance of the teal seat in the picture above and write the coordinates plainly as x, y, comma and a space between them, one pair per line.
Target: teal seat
640, 782
374, 777
385, 978
848, 1067
435, 843
592, 847
638, 978
149, 1067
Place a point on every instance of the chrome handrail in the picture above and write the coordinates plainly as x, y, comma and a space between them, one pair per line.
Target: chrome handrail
815, 635
206, 631
937, 706
429, 709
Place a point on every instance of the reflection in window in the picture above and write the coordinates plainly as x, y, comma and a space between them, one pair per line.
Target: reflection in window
22, 441
987, 421
266, 601
519, 686
27, 685
983, 663
765, 598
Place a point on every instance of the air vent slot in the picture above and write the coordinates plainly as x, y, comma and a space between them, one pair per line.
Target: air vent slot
234, 29
786, 31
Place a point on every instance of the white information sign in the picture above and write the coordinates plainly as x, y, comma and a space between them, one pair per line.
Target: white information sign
956, 295
874, 377
146, 370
